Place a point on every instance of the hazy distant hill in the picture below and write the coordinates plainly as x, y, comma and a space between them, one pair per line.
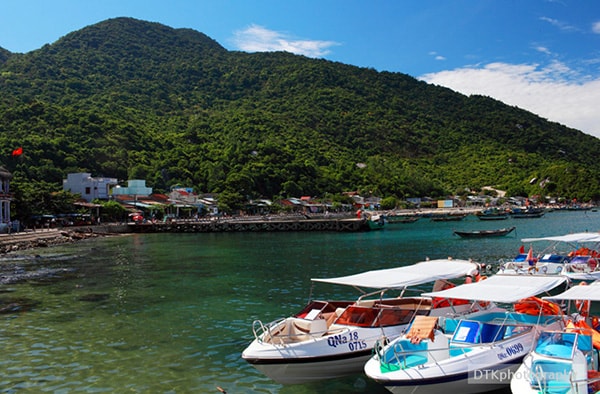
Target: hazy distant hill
138, 100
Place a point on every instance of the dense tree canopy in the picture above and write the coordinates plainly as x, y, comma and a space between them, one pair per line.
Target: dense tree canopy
136, 100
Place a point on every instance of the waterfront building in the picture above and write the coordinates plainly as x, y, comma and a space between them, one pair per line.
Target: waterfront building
88, 187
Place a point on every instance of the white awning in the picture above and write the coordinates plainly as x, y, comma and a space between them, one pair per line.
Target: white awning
576, 237
594, 275
591, 292
401, 277
502, 288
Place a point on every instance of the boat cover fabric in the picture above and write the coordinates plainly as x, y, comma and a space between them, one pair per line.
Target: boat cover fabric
594, 275
502, 288
402, 277
591, 292
576, 237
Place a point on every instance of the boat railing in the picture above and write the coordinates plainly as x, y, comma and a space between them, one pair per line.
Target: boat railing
289, 330
261, 330
540, 379
405, 354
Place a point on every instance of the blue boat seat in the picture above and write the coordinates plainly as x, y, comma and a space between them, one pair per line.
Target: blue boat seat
404, 354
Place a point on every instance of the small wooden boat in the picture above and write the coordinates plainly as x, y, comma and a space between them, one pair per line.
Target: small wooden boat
393, 219
485, 233
493, 216
453, 217
527, 213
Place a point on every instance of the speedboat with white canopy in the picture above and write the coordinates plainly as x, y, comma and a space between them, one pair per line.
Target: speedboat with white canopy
331, 339
574, 255
564, 361
478, 354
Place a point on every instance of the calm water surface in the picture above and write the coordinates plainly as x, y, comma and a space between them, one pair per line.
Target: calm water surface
172, 313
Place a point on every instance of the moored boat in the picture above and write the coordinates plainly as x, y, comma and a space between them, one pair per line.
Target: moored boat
331, 339
573, 255
564, 361
452, 217
492, 214
528, 213
485, 233
394, 219
480, 353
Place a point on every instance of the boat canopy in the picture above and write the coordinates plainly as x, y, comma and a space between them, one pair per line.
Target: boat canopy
591, 292
575, 237
411, 275
502, 288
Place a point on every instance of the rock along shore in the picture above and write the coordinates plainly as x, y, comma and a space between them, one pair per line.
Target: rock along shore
54, 236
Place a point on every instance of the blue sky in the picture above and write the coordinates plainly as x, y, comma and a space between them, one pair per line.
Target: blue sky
540, 55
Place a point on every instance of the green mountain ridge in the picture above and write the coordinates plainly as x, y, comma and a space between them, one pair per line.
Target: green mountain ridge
139, 100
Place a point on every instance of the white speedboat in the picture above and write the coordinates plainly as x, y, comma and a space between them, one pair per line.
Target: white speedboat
482, 350
569, 255
331, 339
564, 361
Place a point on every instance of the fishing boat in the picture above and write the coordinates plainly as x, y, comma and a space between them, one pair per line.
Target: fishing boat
376, 222
573, 255
492, 214
475, 353
564, 361
331, 339
485, 233
395, 219
452, 217
528, 213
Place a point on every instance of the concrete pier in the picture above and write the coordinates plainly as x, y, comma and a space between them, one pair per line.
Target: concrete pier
253, 225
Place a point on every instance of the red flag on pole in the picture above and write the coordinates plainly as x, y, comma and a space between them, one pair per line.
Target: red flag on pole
18, 151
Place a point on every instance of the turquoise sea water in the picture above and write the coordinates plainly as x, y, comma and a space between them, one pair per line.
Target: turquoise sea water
171, 313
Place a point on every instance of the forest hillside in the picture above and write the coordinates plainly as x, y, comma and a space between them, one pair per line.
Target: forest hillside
132, 99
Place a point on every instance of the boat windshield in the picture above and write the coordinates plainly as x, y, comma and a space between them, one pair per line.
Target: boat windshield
377, 316
557, 344
470, 331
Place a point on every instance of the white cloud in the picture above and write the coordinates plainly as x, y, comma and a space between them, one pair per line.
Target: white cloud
596, 27
543, 50
554, 92
436, 56
256, 38
559, 24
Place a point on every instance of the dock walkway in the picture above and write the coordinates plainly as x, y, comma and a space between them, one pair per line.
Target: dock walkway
252, 225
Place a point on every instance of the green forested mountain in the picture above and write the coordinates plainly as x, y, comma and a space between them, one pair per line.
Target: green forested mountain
137, 100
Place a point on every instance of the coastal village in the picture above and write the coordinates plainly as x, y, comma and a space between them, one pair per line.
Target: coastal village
142, 206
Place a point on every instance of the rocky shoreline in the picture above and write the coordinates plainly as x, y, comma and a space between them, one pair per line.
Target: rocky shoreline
44, 238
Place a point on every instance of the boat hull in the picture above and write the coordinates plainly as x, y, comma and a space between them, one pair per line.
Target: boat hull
342, 351
299, 371
463, 383
327, 357
439, 367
